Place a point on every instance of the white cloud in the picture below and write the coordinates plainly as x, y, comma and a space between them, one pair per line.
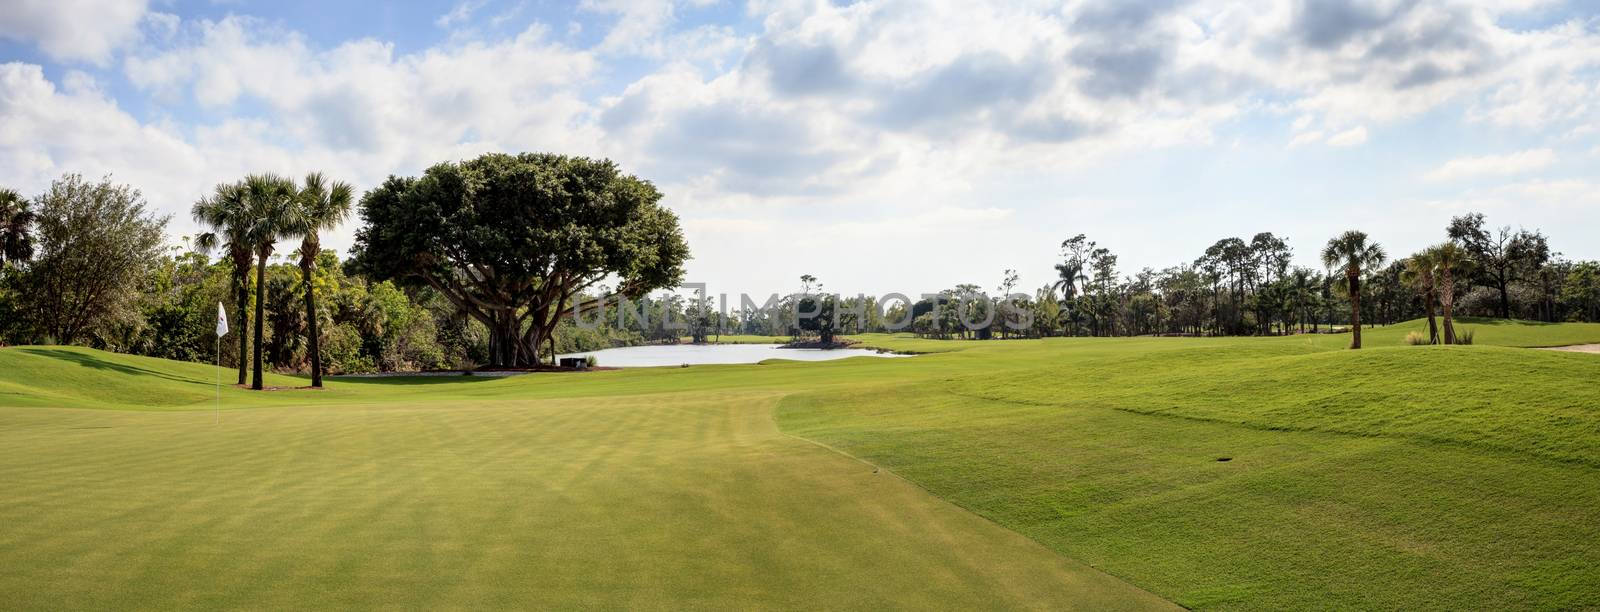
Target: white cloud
1349, 138
460, 13
358, 111
360, 97
1568, 193
639, 25
1466, 168
1306, 138
897, 107
47, 131
86, 30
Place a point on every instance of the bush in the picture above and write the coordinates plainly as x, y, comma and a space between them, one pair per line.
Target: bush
591, 361
1417, 339
1465, 337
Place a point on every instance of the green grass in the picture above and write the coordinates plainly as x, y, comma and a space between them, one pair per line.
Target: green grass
464, 494
1394, 477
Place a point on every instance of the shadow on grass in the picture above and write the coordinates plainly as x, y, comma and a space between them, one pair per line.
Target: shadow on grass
1488, 321
406, 381
91, 361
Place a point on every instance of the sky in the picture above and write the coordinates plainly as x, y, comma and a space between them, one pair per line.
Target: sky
882, 145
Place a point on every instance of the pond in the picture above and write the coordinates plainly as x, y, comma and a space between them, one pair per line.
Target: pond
704, 354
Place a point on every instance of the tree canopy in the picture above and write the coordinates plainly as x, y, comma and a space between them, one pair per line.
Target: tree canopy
16, 228
96, 242
510, 240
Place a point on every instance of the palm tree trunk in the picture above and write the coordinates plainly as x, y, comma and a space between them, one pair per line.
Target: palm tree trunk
1355, 308
313, 346
242, 311
261, 298
1428, 298
1447, 299
1433, 326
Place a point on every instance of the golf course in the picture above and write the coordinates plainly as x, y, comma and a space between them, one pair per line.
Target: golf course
1062, 473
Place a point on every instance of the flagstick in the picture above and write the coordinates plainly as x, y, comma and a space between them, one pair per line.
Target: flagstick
222, 330
219, 380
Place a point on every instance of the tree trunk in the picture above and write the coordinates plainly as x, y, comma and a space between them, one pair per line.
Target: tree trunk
1447, 299
308, 267
507, 348
1433, 326
502, 341
242, 313
1355, 308
1505, 298
261, 299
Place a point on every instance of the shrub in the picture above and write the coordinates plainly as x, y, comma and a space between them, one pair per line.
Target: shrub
1416, 339
1465, 337
591, 361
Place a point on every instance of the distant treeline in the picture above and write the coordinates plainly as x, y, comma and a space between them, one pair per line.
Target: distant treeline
87, 263
1239, 287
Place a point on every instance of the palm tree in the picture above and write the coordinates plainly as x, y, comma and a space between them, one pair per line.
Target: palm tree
1419, 273
228, 215
16, 228
1069, 275
320, 207
1451, 261
270, 200
1351, 252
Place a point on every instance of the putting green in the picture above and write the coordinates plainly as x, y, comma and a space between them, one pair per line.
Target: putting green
652, 501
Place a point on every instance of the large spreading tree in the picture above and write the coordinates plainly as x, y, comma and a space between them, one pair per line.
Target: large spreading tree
513, 240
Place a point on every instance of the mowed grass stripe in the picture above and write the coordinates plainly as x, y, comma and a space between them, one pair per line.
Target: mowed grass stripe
1294, 519
663, 501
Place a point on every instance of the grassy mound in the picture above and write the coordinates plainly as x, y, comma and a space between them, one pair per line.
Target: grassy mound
68, 376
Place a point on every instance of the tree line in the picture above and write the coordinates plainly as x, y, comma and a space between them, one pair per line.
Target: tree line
88, 263
1241, 287
470, 263
483, 263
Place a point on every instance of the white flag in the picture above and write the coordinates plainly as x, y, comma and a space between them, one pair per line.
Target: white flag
222, 321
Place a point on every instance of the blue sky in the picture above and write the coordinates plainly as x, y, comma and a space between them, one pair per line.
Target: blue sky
880, 145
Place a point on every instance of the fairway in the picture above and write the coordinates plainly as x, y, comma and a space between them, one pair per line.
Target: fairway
649, 501
1067, 473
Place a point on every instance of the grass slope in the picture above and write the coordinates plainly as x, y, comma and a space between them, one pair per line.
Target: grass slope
1394, 477
77, 377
